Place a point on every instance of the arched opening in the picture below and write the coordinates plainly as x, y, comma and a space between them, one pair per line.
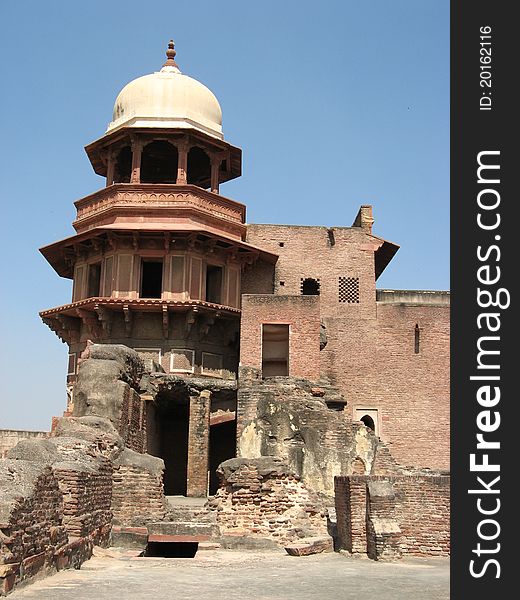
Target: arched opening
123, 166
368, 422
159, 163
310, 287
199, 167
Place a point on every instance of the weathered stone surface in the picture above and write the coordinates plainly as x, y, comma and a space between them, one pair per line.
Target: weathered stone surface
308, 546
289, 418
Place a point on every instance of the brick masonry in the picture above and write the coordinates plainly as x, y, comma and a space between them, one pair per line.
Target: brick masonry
391, 516
301, 313
263, 498
370, 352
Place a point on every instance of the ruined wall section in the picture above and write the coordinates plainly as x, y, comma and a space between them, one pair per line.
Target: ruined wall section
138, 495
107, 384
289, 419
31, 530
387, 517
264, 498
55, 499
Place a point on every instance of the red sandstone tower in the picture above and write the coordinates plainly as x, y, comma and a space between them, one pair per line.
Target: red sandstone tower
157, 257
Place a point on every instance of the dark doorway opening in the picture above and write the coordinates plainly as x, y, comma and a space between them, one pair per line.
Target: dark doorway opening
159, 163
172, 413
275, 350
214, 284
151, 278
94, 280
222, 446
171, 549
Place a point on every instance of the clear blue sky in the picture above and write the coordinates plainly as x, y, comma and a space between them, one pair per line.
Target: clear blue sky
335, 104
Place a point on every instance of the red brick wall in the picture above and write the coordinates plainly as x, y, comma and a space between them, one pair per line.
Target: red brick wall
137, 495
302, 313
419, 504
132, 427
370, 354
374, 364
307, 252
262, 498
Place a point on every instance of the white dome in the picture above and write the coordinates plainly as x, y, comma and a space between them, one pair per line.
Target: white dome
167, 98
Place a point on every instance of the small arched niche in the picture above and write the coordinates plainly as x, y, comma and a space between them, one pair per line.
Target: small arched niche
199, 167
123, 166
159, 162
310, 287
368, 421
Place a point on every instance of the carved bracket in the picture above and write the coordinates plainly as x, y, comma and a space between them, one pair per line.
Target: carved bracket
105, 317
127, 313
165, 321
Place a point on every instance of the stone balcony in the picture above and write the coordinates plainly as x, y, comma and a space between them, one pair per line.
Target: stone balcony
129, 205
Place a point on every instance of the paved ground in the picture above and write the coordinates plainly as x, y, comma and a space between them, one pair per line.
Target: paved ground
236, 575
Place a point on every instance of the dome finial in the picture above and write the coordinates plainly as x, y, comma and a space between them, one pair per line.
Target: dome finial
170, 53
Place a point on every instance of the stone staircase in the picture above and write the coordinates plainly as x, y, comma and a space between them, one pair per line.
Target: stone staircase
187, 521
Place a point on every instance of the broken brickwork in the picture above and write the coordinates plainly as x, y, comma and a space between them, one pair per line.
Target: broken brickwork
386, 517
137, 495
264, 498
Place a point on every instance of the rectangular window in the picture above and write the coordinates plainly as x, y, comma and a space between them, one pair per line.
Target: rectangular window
94, 280
275, 350
417, 339
214, 284
348, 290
71, 368
151, 278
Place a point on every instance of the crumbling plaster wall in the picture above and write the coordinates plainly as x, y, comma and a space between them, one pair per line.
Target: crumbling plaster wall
289, 419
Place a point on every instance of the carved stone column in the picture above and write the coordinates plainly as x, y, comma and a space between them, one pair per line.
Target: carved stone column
198, 445
110, 168
137, 150
182, 168
215, 171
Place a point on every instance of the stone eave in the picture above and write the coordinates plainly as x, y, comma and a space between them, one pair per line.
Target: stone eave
96, 314
383, 254
60, 254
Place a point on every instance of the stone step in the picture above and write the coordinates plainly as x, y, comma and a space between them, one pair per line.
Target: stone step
169, 529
